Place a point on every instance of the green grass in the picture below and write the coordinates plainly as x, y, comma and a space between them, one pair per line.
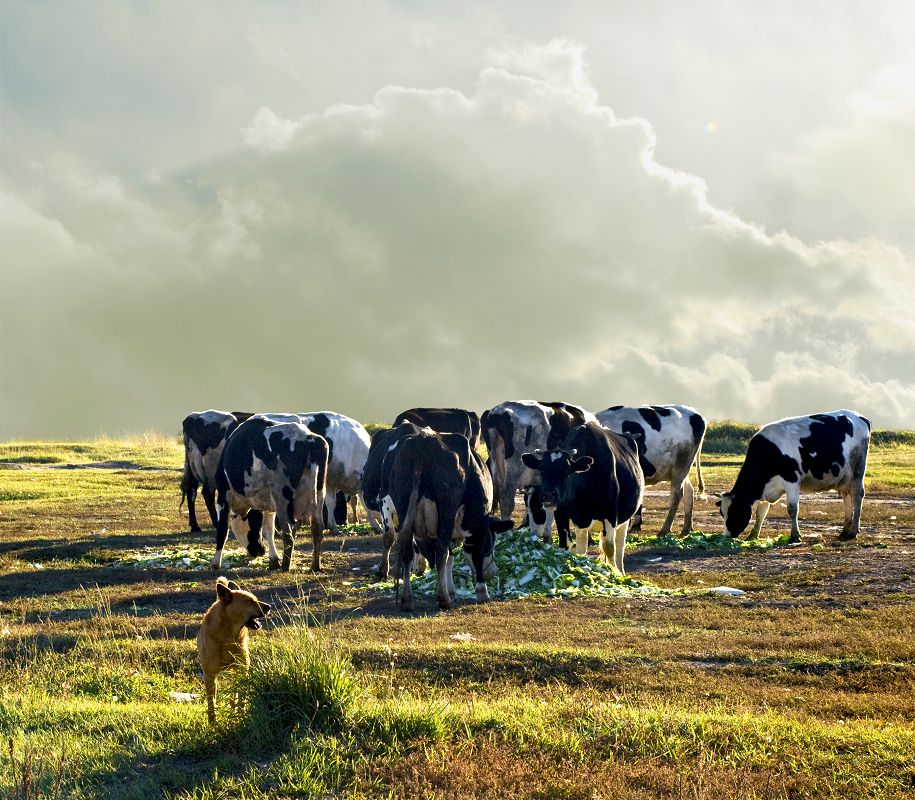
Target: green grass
801, 688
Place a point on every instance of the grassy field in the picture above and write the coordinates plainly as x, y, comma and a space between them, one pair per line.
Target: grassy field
802, 687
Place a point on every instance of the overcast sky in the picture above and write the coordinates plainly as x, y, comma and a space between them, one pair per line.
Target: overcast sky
369, 206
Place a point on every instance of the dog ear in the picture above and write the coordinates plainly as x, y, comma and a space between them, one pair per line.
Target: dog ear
223, 592
233, 586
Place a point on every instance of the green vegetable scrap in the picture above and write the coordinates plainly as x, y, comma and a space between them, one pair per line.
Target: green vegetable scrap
527, 566
705, 541
192, 559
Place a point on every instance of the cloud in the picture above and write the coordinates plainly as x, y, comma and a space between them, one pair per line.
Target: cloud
438, 246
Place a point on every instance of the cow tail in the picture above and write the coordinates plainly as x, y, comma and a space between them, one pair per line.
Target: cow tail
188, 482
702, 494
321, 480
410, 517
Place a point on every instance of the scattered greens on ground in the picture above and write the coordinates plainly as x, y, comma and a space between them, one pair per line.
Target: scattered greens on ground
706, 541
192, 559
527, 567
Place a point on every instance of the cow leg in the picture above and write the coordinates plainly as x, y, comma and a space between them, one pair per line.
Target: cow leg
540, 519
606, 545
317, 541
353, 500
581, 540
688, 498
209, 500
562, 529
222, 531
330, 504
268, 532
452, 591
192, 510
405, 557
762, 508
372, 516
793, 497
676, 494
855, 501
284, 526
619, 544
636, 521
442, 556
507, 500
387, 542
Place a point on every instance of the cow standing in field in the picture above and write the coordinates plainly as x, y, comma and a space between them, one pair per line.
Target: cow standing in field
815, 453
444, 420
349, 444
375, 478
278, 469
669, 439
442, 495
594, 476
205, 434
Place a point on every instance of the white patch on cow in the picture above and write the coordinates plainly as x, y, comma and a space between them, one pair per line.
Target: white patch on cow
240, 528
555, 456
726, 501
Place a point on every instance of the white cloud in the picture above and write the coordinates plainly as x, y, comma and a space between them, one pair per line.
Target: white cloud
461, 247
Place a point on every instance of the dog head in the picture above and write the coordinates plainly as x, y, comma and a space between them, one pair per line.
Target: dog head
240, 606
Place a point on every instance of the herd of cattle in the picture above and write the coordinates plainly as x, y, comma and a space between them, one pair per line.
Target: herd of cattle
426, 488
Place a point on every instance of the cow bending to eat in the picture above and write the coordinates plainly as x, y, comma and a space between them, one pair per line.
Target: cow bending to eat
278, 469
594, 476
442, 494
819, 452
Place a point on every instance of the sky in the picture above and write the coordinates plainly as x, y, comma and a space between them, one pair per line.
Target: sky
368, 206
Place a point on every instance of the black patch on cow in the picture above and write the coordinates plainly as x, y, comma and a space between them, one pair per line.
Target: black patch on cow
698, 425
340, 509
763, 462
651, 417
662, 411
866, 421
637, 432
378, 465
535, 505
319, 425
206, 435
614, 408
564, 418
527, 436
821, 450
501, 421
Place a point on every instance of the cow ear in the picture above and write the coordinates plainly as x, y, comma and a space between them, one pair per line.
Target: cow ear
223, 592
497, 525
530, 460
582, 464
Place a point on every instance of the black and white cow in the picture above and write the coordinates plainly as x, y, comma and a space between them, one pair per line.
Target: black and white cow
670, 440
205, 434
815, 453
444, 420
375, 477
442, 496
349, 444
509, 430
276, 468
594, 476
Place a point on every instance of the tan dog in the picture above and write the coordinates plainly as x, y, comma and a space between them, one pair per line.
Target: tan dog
223, 638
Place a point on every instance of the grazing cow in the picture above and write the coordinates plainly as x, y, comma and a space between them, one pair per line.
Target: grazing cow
277, 468
444, 420
595, 475
822, 451
349, 448
205, 434
513, 428
442, 495
375, 477
670, 440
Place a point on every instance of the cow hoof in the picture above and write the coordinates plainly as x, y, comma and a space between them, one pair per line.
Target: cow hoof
196, 529
274, 563
847, 537
214, 567
794, 539
406, 605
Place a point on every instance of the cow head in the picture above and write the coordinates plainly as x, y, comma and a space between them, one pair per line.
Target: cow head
736, 514
248, 530
555, 467
479, 548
